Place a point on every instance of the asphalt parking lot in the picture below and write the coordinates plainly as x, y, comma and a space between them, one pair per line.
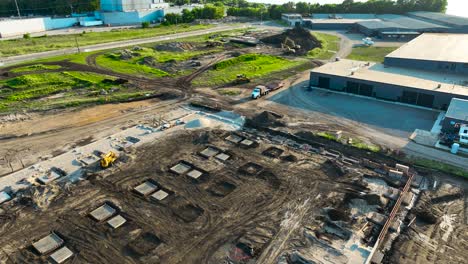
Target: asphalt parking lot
390, 118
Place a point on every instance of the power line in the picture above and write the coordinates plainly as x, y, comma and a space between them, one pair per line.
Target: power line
17, 9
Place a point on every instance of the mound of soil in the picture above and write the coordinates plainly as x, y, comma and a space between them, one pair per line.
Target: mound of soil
303, 40
174, 47
266, 119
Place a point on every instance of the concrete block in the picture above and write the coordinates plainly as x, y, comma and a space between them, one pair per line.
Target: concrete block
160, 195
116, 221
402, 168
180, 168
61, 255
223, 156
234, 139
195, 174
209, 152
146, 188
103, 212
48, 244
247, 142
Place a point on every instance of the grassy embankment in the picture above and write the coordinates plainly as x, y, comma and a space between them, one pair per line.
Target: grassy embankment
46, 43
330, 45
440, 166
254, 66
135, 65
35, 67
375, 54
61, 89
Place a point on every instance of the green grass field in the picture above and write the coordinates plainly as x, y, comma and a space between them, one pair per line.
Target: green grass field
47, 43
59, 89
376, 54
330, 45
35, 67
252, 65
134, 65
128, 67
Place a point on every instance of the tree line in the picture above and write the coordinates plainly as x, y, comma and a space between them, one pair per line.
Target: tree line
47, 7
209, 11
243, 8
235, 7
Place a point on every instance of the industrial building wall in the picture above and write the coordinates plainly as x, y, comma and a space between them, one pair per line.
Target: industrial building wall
430, 99
333, 26
55, 23
437, 66
124, 5
120, 18
15, 27
151, 16
129, 5
111, 5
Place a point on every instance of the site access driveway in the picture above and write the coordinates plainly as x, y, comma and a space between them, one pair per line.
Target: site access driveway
394, 119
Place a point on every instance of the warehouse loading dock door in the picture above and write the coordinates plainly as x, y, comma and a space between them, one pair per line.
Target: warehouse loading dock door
426, 100
352, 87
409, 97
366, 90
324, 82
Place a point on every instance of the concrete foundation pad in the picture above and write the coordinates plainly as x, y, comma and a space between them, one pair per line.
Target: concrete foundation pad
48, 244
247, 142
209, 152
223, 156
146, 188
49, 177
61, 255
103, 212
160, 195
89, 160
180, 168
234, 139
195, 174
116, 221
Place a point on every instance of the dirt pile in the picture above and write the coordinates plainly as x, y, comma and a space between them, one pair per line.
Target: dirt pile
127, 54
266, 119
298, 39
174, 47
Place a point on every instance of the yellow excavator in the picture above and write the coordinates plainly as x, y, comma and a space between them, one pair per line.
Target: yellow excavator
108, 159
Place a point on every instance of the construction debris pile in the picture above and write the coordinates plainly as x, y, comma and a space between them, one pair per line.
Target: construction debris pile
297, 41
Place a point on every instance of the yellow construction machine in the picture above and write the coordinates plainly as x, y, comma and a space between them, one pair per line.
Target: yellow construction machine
108, 159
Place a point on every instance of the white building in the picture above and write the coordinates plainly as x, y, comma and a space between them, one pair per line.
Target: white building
292, 19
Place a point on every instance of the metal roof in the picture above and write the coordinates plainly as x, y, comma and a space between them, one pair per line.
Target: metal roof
458, 109
380, 25
344, 16
360, 70
410, 23
435, 47
442, 18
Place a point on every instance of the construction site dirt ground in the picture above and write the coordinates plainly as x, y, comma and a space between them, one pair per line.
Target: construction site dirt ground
200, 222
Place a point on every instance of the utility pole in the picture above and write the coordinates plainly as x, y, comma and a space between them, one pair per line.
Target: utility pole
17, 8
77, 44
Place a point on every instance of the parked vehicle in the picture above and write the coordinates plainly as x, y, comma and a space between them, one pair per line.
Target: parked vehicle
261, 90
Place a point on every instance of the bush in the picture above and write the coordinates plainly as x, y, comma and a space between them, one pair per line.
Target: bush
27, 36
145, 24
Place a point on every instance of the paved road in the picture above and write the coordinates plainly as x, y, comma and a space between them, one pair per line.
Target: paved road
117, 44
70, 31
